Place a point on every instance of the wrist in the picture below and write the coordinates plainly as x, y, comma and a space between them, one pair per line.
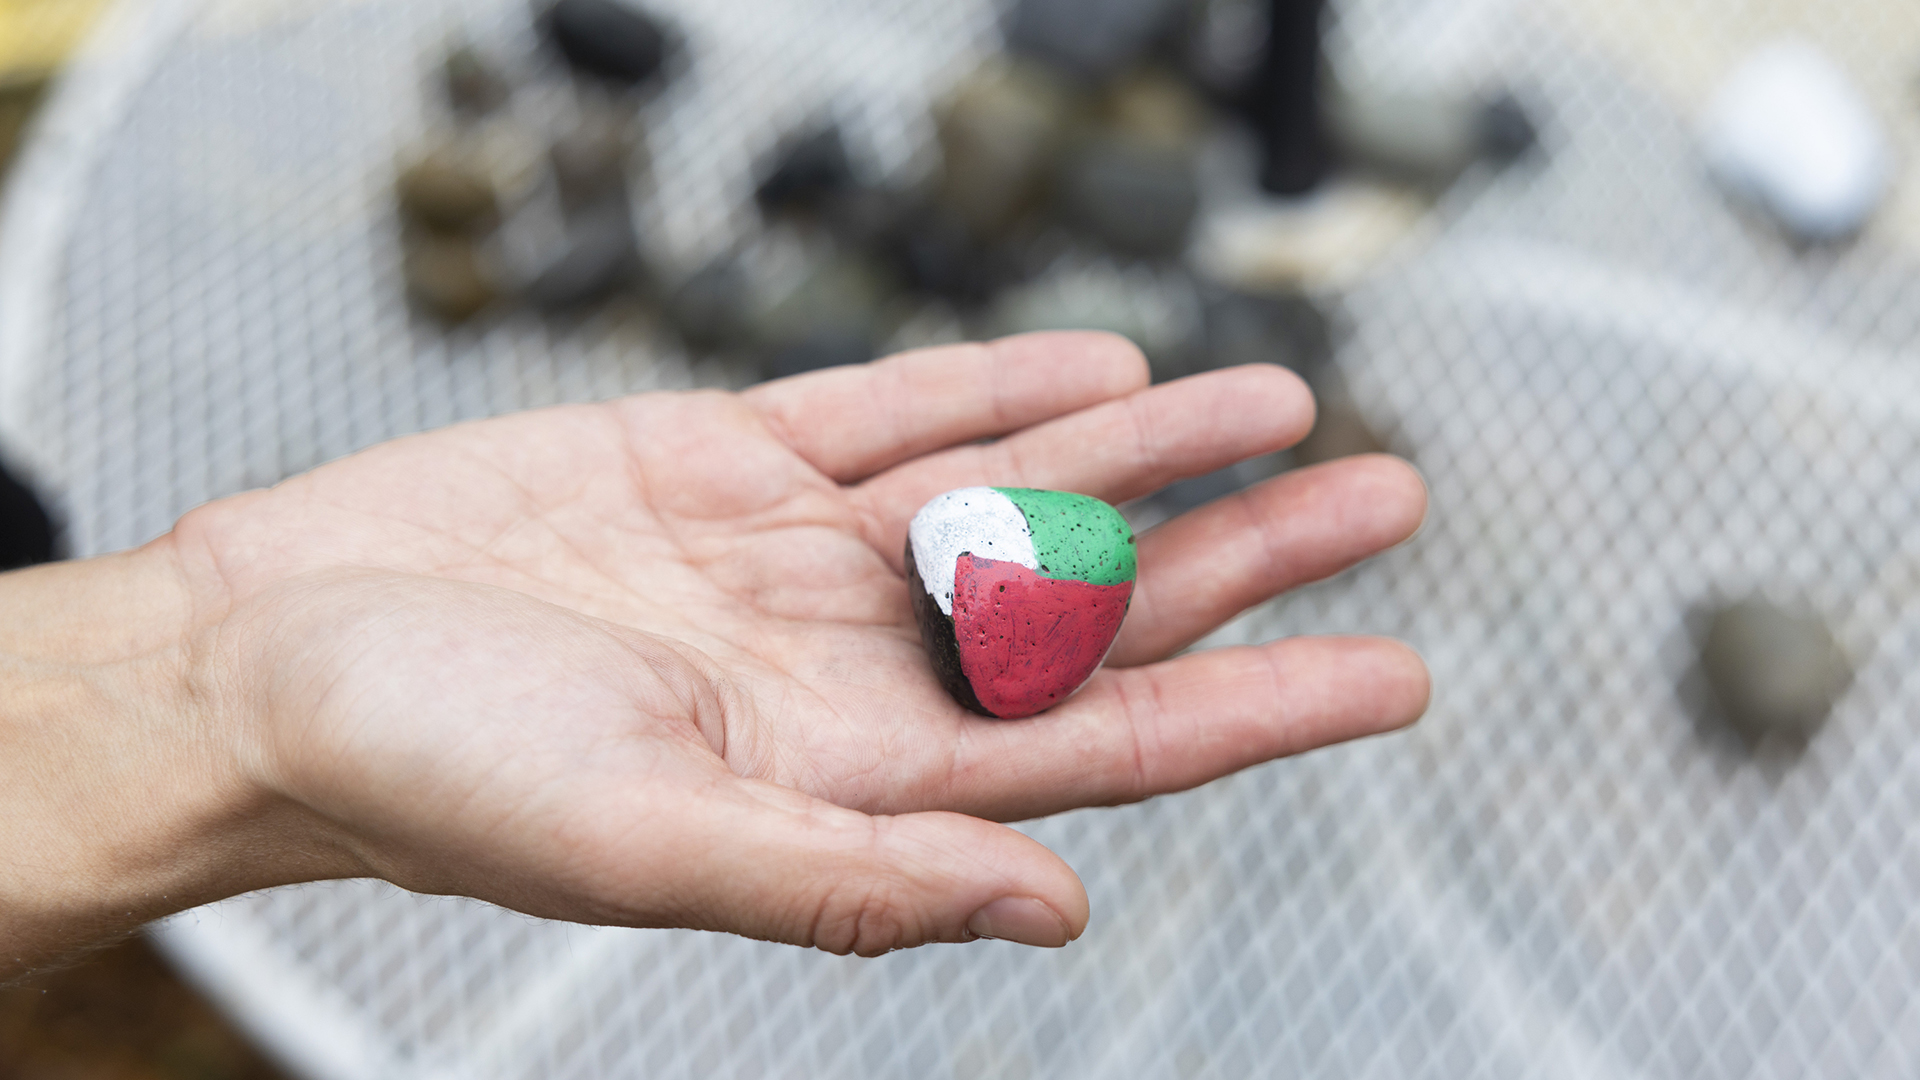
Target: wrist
124, 782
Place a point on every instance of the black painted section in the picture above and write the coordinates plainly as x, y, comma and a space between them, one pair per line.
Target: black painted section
936, 630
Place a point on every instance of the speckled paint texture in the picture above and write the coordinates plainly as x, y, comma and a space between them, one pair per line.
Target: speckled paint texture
1019, 593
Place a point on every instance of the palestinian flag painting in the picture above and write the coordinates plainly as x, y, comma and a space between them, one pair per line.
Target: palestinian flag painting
1019, 593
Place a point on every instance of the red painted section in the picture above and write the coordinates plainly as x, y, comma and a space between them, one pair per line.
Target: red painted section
1026, 641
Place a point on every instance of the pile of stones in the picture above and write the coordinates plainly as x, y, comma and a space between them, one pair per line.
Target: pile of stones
1073, 175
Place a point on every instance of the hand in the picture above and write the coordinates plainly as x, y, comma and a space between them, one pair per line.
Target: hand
652, 662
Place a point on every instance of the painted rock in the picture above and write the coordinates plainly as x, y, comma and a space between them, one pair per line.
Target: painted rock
1019, 593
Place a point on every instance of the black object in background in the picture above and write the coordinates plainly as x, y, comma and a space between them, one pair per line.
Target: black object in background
608, 39
1295, 153
26, 529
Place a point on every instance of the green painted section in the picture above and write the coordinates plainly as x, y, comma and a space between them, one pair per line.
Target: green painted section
1076, 536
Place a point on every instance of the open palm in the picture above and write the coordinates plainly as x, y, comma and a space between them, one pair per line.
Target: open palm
652, 662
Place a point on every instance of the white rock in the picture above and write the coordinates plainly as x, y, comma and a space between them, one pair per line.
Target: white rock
1789, 131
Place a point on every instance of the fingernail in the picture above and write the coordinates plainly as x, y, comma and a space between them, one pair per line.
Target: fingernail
1020, 919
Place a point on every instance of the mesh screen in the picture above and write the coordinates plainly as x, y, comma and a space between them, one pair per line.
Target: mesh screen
1627, 396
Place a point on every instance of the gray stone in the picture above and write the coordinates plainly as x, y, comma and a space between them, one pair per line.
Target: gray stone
474, 85
1137, 196
1286, 328
590, 165
1000, 133
834, 316
612, 40
599, 255
1427, 138
807, 172
711, 309
1091, 39
1773, 669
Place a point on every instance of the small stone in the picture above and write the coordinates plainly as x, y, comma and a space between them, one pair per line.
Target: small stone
1790, 132
831, 318
1773, 669
446, 276
1000, 133
1138, 197
1019, 593
806, 173
444, 192
474, 85
599, 255
1090, 39
612, 40
933, 253
590, 166
1285, 328
710, 310
1427, 138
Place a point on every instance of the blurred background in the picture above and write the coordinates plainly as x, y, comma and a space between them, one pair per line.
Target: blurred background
1635, 284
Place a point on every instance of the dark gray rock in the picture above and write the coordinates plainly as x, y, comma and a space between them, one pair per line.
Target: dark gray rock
933, 253
1090, 39
1000, 134
1284, 100
445, 192
806, 173
711, 309
1773, 670
1136, 196
1280, 328
474, 85
590, 165
608, 39
599, 255
447, 277
833, 317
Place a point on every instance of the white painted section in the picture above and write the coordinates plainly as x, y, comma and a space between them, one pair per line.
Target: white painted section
976, 519
1790, 131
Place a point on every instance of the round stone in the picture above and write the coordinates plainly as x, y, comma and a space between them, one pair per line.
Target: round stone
1773, 669
1019, 593
607, 38
444, 192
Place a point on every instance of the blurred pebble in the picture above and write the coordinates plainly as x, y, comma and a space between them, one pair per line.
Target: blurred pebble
1091, 39
999, 134
1426, 138
1282, 328
1137, 197
710, 310
1791, 133
607, 38
933, 253
1158, 311
598, 255
806, 173
831, 317
473, 84
446, 276
590, 166
445, 192
1773, 669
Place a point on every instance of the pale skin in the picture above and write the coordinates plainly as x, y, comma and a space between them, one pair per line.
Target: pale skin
652, 663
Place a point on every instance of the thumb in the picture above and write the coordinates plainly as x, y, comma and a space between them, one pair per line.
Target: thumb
782, 866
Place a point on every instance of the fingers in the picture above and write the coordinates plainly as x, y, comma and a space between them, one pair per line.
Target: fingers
778, 865
1204, 567
1136, 732
1116, 450
852, 422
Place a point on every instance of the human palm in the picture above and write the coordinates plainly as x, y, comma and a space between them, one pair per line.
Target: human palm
652, 662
